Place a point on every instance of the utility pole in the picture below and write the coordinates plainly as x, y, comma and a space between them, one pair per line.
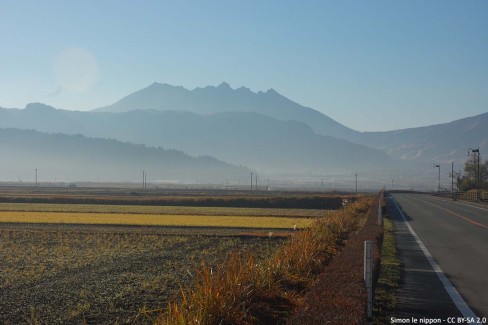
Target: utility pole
356, 174
36, 177
256, 182
251, 181
143, 179
438, 178
478, 182
452, 179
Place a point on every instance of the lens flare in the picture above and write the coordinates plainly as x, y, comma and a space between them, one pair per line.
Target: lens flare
76, 69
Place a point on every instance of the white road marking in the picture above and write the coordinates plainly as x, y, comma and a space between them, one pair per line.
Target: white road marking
461, 305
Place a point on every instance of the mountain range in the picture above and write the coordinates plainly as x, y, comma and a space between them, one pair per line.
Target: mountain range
263, 131
242, 138
443, 143
223, 98
78, 158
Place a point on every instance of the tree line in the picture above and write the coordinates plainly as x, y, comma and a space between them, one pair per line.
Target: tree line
469, 179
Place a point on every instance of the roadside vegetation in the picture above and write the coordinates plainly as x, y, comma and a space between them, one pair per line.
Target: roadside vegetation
338, 295
389, 277
244, 290
474, 171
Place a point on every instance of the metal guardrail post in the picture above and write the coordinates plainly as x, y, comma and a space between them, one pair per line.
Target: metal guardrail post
368, 276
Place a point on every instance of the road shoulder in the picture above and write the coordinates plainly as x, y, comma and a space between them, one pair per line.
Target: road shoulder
421, 293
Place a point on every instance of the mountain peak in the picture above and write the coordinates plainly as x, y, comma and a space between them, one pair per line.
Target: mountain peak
244, 89
224, 85
38, 106
223, 98
158, 85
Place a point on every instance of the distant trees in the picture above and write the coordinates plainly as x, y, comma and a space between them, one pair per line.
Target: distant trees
468, 180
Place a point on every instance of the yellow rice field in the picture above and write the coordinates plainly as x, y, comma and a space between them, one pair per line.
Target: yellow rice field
154, 220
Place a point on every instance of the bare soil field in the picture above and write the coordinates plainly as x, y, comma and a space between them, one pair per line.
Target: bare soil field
59, 274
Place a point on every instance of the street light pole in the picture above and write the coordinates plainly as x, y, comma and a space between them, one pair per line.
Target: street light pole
478, 171
452, 180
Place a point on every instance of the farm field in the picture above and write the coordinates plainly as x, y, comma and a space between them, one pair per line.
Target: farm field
154, 220
104, 263
62, 275
172, 210
166, 197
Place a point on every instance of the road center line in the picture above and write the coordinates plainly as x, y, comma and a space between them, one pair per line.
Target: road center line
460, 203
454, 213
461, 305
462, 217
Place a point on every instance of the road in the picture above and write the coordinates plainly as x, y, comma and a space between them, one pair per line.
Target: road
456, 235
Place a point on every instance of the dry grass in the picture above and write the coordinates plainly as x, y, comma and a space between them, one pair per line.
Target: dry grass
338, 296
243, 291
389, 277
153, 220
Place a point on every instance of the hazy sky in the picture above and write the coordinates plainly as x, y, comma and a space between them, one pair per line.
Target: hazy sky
371, 65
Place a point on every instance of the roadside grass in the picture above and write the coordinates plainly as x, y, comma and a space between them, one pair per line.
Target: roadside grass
154, 220
338, 295
389, 277
244, 291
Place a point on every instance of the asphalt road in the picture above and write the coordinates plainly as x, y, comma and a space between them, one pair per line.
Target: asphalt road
456, 235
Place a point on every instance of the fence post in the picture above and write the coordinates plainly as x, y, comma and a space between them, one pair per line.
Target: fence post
380, 212
368, 276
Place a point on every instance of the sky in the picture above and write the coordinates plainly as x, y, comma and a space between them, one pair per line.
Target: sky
370, 65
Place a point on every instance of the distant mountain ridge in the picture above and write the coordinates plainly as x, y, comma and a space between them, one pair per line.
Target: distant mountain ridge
443, 143
264, 131
78, 158
447, 142
164, 97
242, 138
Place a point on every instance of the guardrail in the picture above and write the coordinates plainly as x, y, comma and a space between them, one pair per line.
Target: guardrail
467, 196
